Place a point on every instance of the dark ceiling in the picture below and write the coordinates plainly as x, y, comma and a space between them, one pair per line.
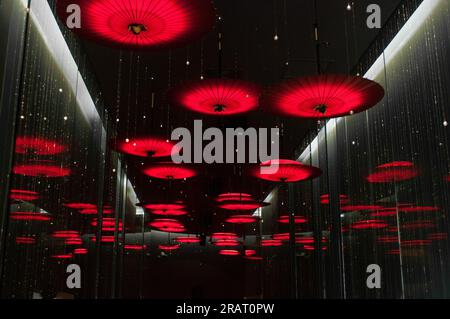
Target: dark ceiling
134, 84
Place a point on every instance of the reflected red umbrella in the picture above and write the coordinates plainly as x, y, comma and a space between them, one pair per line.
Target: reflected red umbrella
409, 208
66, 234
271, 243
62, 256
30, 216
38, 146
224, 236
285, 171
169, 248
369, 224
73, 241
23, 195
234, 197
160, 206
226, 243
106, 239
168, 225
187, 240
297, 219
146, 147
385, 212
242, 219
305, 240
229, 252
438, 236
217, 96
80, 251
253, 258
41, 169
323, 96
131, 247
143, 24
108, 224
169, 171
249, 252
418, 224
281, 236
387, 239
170, 212
241, 205
25, 240
416, 243
89, 211
393, 172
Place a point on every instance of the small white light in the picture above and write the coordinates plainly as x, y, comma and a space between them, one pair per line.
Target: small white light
275, 37
188, 62
445, 123
117, 120
65, 118
201, 77
349, 7
127, 140
22, 117
60, 90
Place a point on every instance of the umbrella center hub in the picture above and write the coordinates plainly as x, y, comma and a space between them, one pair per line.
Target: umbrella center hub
151, 153
219, 108
321, 108
137, 28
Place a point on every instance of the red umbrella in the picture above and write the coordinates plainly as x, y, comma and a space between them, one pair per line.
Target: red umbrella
369, 224
25, 240
234, 197
170, 212
249, 252
224, 236
41, 169
418, 224
23, 195
38, 146
217, 96
229, 252
169, 247
135, 247
80, 251
226, 243
241, 205
323, 96
393, 172
352, 208
169, 171
147, 147
438, 236
80, 206
143, 24
30, 216
285, 171
242, 219
73, 241
64, 234
108, 224
62, 256
161, 206
325, 199
187, 240
168, 225
271, 243
254, 258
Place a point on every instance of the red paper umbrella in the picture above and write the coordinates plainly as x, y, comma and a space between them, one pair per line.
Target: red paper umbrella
62, 256
352, 208
24, 240
73, 241
143, 24
241, 205
229, 252
285, 171
325, 199
249, 252
271, 243
38, 146
217, 96
234, 197
105, 239
370, 224
135, 247
155, 206
30, 216
385, 212
187, 240
80, 206
80, 251
170, 212
66, 234
305, 240
23, 195
224, 236
168, 225
297, 219
253, 258
242, 219
147, 147
393, 172
169, 247
323, 96
91, 211
108, 224
39, 169
226, 243
281, 236
169, 171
